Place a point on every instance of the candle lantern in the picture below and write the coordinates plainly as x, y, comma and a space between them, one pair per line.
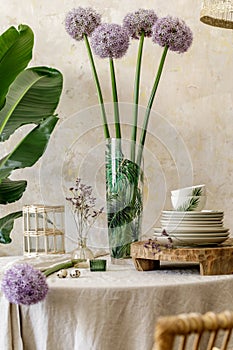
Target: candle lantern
43, 228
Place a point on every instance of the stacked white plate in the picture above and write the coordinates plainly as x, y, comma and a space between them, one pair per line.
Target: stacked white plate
192, 228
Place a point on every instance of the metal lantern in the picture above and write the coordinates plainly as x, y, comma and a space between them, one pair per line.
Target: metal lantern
218, 13
43, 228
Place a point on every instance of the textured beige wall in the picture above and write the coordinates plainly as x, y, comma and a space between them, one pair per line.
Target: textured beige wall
190, 139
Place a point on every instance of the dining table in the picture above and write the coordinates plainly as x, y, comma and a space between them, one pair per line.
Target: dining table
114, 309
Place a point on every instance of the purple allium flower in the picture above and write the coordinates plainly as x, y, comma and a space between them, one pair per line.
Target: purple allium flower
172, 32
81, 21
22, 284
110, 40
138, 22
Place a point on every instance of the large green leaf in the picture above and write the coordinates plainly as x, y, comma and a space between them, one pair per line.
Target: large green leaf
4, 173
124, 197
11, 191
26, 97
128, 213
6, 226
30, 149
15, 54
33, 96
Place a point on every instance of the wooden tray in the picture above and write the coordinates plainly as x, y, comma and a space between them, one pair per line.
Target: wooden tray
213, 260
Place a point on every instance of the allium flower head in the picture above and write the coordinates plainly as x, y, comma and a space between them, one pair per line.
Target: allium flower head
172, 32
138, 22
110, 40
81, 21
22, 284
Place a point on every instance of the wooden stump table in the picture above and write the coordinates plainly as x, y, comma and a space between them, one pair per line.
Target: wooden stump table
213, 260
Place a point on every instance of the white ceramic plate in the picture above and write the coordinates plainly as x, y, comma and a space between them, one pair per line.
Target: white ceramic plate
190, 224
203, 212
191, 241
193, 215
192, 230
192, 219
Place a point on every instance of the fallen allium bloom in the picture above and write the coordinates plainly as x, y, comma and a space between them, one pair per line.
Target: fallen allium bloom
22, 284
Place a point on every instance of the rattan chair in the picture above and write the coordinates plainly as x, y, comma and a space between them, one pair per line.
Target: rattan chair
193, 331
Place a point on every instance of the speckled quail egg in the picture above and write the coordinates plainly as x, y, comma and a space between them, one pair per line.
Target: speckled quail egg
62, 273
75, 273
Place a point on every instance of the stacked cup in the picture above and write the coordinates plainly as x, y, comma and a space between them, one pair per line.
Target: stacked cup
191, 198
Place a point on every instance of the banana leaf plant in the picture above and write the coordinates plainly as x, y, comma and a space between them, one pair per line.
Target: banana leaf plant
27, 96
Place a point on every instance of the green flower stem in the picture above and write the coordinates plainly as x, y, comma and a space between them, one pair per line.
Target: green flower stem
149, 105
136, 96
100, 97
58, 267
115, 100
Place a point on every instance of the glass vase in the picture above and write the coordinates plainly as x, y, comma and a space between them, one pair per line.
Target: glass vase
82, 254
124, 197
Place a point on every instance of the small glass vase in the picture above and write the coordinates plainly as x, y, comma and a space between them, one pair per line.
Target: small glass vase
81, 256
124, 196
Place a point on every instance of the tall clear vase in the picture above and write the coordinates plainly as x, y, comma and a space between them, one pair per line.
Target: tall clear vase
124, 197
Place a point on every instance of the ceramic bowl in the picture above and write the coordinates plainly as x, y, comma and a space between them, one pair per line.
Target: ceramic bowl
198, 190
188, 203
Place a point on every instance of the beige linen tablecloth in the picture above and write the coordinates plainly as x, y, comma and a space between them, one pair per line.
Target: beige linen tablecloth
112, 310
